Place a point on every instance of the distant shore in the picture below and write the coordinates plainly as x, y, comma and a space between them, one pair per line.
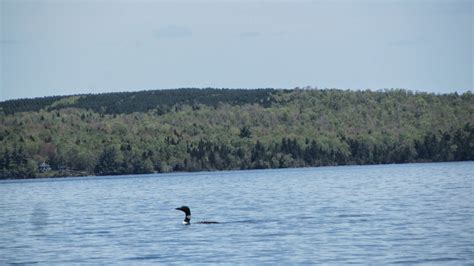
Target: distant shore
189, 130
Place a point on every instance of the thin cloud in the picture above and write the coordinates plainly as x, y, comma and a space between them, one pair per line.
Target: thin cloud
172, 32
251, 34
256, 34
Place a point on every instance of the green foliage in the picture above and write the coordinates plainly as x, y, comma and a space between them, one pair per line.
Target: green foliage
109, 162
245, 132
66, 101
15, 164
209, 129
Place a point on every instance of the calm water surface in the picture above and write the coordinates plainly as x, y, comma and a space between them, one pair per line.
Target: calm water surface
416, 213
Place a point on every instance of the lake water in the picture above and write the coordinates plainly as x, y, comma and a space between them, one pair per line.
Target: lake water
413, 213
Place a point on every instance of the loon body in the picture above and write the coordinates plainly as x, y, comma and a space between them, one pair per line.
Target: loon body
187, 218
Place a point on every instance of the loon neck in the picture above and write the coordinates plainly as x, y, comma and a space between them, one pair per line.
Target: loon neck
187, 219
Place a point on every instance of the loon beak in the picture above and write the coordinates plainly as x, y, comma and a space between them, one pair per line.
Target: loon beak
179, 209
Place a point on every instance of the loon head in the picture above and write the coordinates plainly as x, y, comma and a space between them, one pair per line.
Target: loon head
187, 212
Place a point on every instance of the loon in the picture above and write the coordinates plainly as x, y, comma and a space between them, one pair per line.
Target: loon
187, 218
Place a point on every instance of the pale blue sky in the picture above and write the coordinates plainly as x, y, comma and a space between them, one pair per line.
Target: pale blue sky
70, 47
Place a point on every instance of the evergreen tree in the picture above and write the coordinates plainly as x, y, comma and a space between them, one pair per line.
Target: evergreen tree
109, 163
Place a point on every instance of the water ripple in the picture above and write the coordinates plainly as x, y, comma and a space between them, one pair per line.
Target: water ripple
386, 214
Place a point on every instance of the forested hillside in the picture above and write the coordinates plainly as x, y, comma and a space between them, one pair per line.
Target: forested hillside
214, 129
160, 101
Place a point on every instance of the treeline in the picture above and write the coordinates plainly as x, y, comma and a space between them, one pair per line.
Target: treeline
209, 156
278, 129
161, 101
